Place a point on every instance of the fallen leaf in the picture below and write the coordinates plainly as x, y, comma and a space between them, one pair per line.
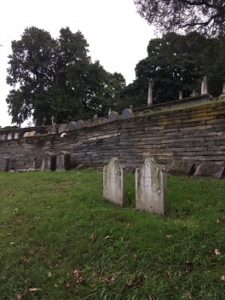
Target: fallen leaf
33, 290
93, 237
217, 252
169, 236
223, 278
78, 276
49, 274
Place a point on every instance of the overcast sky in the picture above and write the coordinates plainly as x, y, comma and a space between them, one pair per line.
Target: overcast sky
116, 34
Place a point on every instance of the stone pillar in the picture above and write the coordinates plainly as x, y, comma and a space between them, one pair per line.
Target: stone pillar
180, 95
204, 87
150, 93
150, 187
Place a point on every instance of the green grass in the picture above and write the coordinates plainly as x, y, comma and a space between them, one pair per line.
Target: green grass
58, 234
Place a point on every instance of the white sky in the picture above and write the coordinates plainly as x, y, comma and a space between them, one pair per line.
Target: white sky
116, 34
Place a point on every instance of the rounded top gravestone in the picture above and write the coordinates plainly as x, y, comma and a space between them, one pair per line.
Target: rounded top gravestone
113, 116
72, 126
127, 114
79, 124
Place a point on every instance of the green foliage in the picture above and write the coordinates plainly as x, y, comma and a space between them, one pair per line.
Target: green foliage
60, 236
178, 62
204, 16
55, 77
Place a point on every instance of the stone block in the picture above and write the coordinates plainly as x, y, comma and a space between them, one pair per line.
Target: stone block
181, 167
210, 170
4, 164
150, 187
63, 161
113, 182
49, 162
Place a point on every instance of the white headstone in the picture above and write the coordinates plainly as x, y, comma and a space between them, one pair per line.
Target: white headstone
113, 182
204, 87
150, 186
127, 114
113, 116
62, 128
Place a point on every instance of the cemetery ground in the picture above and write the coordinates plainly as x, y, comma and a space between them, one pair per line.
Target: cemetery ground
59, 239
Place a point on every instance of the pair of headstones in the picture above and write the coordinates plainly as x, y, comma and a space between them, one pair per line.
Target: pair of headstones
150, 186
54, 162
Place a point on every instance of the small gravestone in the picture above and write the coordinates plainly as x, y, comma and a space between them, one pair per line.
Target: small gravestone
210, 170
127, 114
63, 161
62, 128
79, 124
113, 116
113, 182
4, 164
9, 136
3, 136
16, 135
150, 186
49, 162
72, 126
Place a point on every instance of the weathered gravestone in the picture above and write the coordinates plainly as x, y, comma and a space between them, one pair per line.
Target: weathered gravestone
63, 161
150, 186
113, 116
113, 182
79, 124
49, 162
210, 170
72, 126
127, 114
4, 164
62, 128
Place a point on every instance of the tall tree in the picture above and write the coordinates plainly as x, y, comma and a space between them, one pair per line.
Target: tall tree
205, 16
55, 77
178, 62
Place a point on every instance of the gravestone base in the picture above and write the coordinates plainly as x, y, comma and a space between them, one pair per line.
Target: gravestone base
49, 162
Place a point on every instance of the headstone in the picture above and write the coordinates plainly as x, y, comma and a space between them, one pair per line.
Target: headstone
79, 124
180, 95
150, 93
223, 92
4, 164
26, 134
32, 133
16, 135
194, 93
113, 182
150, 186
72, 126
3, 136
204, 87
210, 170
62, 128
127, 114
9, 136
63, 161
113, 116
49, 162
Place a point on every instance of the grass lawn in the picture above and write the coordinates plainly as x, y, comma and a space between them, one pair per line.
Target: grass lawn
59, 239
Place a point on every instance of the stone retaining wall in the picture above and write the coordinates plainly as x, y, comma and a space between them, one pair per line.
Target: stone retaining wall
193, 134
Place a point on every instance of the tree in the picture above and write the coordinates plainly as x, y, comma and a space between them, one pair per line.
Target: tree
178, 62
55, 77
205, 16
